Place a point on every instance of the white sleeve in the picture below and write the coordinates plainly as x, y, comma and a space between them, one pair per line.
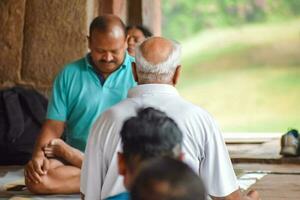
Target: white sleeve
91, 179
99, 168
216, 168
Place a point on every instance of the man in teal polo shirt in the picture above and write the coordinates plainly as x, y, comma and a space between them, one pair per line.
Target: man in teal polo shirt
81, 92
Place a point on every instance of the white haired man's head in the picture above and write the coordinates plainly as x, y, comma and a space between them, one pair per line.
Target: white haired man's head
157, 61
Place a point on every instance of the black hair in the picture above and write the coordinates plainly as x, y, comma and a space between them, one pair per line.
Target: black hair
167, 179
150, 134
103, 23
145, 30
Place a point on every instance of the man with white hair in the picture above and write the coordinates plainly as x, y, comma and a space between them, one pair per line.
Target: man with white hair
157, 71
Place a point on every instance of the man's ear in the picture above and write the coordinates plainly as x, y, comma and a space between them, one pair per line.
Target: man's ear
181, 156
121, 164
176, 75
134, 72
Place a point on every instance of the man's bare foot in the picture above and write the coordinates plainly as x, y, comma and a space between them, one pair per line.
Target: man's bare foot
57, 148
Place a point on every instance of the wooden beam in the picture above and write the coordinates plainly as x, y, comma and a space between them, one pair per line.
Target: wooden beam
151, 15
145, 12
116, 7
134, 8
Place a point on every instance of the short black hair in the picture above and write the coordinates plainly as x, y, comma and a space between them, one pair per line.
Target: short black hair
102, 23
167, 179
145, 30
150, 134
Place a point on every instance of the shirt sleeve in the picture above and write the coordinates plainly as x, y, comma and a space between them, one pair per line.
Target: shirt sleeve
91, 179
216, 167
57, 107
101, 146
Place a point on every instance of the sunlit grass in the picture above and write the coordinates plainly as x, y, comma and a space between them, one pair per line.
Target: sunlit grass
250, 83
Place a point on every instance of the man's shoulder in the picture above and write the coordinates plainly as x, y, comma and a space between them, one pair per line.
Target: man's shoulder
186, 113
112, 119
190, 108
76, 65
69, 70
120, 111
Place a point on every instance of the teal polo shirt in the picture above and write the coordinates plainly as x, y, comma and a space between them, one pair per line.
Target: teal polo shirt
78, 97
121, 196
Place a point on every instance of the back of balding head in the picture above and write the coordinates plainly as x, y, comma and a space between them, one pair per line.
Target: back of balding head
156, 49
108, 23
157, 59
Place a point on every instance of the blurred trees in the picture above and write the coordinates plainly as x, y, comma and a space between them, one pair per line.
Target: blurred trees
183, 18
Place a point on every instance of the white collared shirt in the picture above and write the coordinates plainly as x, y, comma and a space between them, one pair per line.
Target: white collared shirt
203, 145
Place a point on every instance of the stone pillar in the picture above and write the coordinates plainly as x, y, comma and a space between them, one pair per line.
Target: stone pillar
151, 14
11, 40
54, 34
145, 12
116, 7
134, 12
92, 11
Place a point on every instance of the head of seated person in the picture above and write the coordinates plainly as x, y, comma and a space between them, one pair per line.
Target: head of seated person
157, 61
148, 135
136, 34
167, 179
107, 42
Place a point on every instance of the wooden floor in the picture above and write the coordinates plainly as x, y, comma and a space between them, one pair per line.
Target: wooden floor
258, 151
278, 187
251, 157
281, 178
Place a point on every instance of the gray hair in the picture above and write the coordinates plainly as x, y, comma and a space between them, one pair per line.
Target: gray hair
161, 72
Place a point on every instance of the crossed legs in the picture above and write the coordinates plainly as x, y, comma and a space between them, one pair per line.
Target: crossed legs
63, 174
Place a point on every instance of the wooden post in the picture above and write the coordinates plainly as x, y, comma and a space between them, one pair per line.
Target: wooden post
151, 15
145, 12
116, 7
134, 8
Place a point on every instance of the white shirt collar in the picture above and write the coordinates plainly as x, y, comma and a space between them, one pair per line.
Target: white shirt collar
152, 89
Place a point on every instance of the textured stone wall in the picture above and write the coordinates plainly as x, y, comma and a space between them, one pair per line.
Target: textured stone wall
38, 37
11, 40
54, 34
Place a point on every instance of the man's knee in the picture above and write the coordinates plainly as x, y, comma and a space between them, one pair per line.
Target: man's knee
43, 187
51, 182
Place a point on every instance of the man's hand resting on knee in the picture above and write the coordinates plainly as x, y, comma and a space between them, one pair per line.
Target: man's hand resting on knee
35, 168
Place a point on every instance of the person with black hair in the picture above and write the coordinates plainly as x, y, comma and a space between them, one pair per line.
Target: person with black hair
81, 92
164, 178
157, 70
148, 135
136, 34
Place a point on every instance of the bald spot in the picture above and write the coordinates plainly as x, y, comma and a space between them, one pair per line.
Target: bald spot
113, 27
156, 49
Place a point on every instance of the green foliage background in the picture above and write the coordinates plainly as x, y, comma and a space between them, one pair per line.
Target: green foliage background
240, 60
183, 18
